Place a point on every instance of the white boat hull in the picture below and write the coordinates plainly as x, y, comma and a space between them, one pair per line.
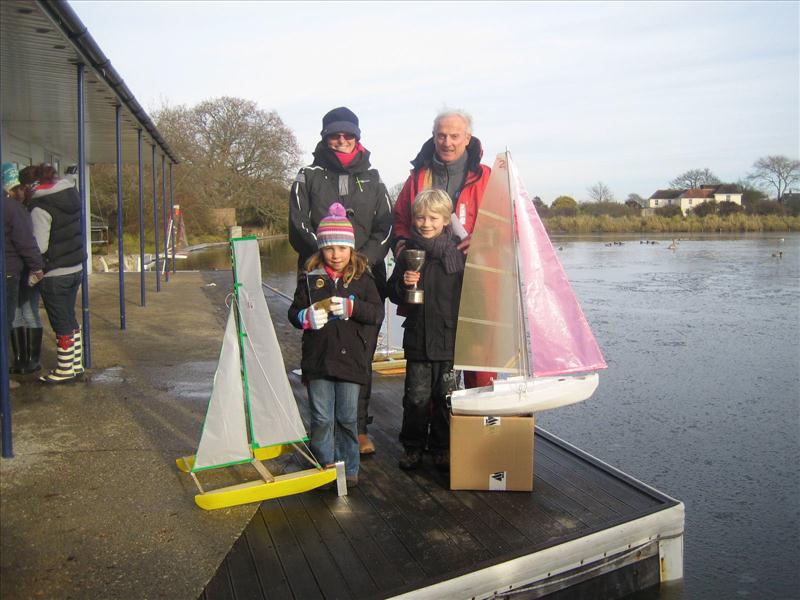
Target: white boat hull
520, 396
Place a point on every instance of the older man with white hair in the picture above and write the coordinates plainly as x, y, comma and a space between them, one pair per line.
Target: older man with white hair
450, 160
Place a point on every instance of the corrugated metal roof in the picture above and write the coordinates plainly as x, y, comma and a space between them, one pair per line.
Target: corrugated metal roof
40, 47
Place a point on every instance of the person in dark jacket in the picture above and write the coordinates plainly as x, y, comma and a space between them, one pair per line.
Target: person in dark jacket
21, 254
335, 303
341, 172
430, 329
56, 215
28, 328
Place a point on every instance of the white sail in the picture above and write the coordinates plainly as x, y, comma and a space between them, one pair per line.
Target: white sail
274, 417
489, 317
224, 438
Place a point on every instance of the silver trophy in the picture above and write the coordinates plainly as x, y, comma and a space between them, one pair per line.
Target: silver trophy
415, 259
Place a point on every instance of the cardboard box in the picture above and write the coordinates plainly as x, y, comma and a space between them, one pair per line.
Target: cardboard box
491, 453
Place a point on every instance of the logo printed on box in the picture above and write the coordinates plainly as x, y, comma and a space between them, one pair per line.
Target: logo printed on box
497, 481
492, 421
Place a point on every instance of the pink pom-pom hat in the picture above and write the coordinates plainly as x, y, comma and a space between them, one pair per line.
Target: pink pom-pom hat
335, 229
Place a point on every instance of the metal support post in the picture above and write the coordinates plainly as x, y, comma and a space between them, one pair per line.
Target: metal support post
120, 244
141, 219
83, 182
155, 222
5, 393
172, 214
164, 214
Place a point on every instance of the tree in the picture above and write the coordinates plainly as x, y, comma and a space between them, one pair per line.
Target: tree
600, 192
394, 191
706, 208
671, 210
726, 208
234, 154
778, 172
541, 207
635, 201
564, 206
693, 179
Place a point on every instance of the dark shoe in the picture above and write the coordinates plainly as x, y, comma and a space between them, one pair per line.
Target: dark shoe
441, 460
411, 459
19, 349
365, 445
352, 481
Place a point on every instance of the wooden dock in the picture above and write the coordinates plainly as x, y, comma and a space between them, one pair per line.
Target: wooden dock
586, 530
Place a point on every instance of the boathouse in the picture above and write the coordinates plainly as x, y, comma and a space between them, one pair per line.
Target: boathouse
62, 102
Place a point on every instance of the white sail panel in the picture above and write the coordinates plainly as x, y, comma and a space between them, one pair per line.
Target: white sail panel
274, 417
488, 337
561, 341
224, 438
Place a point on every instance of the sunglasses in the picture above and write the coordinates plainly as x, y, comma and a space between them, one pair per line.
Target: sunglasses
336, 136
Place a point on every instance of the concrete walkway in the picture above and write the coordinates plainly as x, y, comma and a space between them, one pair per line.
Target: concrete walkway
92, 505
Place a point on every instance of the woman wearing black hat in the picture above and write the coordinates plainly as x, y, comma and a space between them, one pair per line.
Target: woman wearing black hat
341, 173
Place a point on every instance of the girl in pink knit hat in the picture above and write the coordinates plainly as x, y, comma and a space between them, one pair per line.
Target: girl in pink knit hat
334, 304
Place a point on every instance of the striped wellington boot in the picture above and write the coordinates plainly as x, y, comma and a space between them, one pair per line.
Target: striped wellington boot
65, 372
77, 338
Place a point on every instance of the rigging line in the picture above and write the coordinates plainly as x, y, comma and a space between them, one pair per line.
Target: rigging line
264, 372
277, 291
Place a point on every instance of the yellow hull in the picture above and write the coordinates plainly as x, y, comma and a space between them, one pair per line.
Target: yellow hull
256, 491
186, 463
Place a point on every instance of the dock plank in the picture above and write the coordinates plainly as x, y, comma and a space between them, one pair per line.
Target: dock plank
266, 564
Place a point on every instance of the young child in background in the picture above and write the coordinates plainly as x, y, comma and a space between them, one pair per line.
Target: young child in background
334, 303
430, 329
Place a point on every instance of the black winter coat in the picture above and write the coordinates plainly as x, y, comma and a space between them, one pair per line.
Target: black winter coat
63, 204
21, 250
339, 349
357, 187
430, 328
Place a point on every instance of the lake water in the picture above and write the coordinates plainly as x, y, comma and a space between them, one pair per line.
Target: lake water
701, 398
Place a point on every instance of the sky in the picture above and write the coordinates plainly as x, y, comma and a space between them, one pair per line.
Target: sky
628, 93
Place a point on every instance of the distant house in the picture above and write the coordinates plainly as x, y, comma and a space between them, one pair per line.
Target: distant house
660, 199
728, 192
689, 199
692, 198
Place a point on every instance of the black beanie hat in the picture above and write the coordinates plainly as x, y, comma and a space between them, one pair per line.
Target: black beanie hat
340, 120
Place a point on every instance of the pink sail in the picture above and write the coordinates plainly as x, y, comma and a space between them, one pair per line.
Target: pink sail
560, 339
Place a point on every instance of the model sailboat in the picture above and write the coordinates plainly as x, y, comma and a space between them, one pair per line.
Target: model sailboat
252, 415
518, 315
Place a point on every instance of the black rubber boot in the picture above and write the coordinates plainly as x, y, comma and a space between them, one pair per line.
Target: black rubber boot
33, 336
19, 349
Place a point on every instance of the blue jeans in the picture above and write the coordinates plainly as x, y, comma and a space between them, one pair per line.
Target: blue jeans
334, 418
59, 294
27, 313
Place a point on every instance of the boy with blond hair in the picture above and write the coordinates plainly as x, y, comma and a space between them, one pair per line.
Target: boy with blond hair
430, 329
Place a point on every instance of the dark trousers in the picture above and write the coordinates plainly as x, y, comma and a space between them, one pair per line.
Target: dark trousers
379, 272
59, 295
12, 293
426, 418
